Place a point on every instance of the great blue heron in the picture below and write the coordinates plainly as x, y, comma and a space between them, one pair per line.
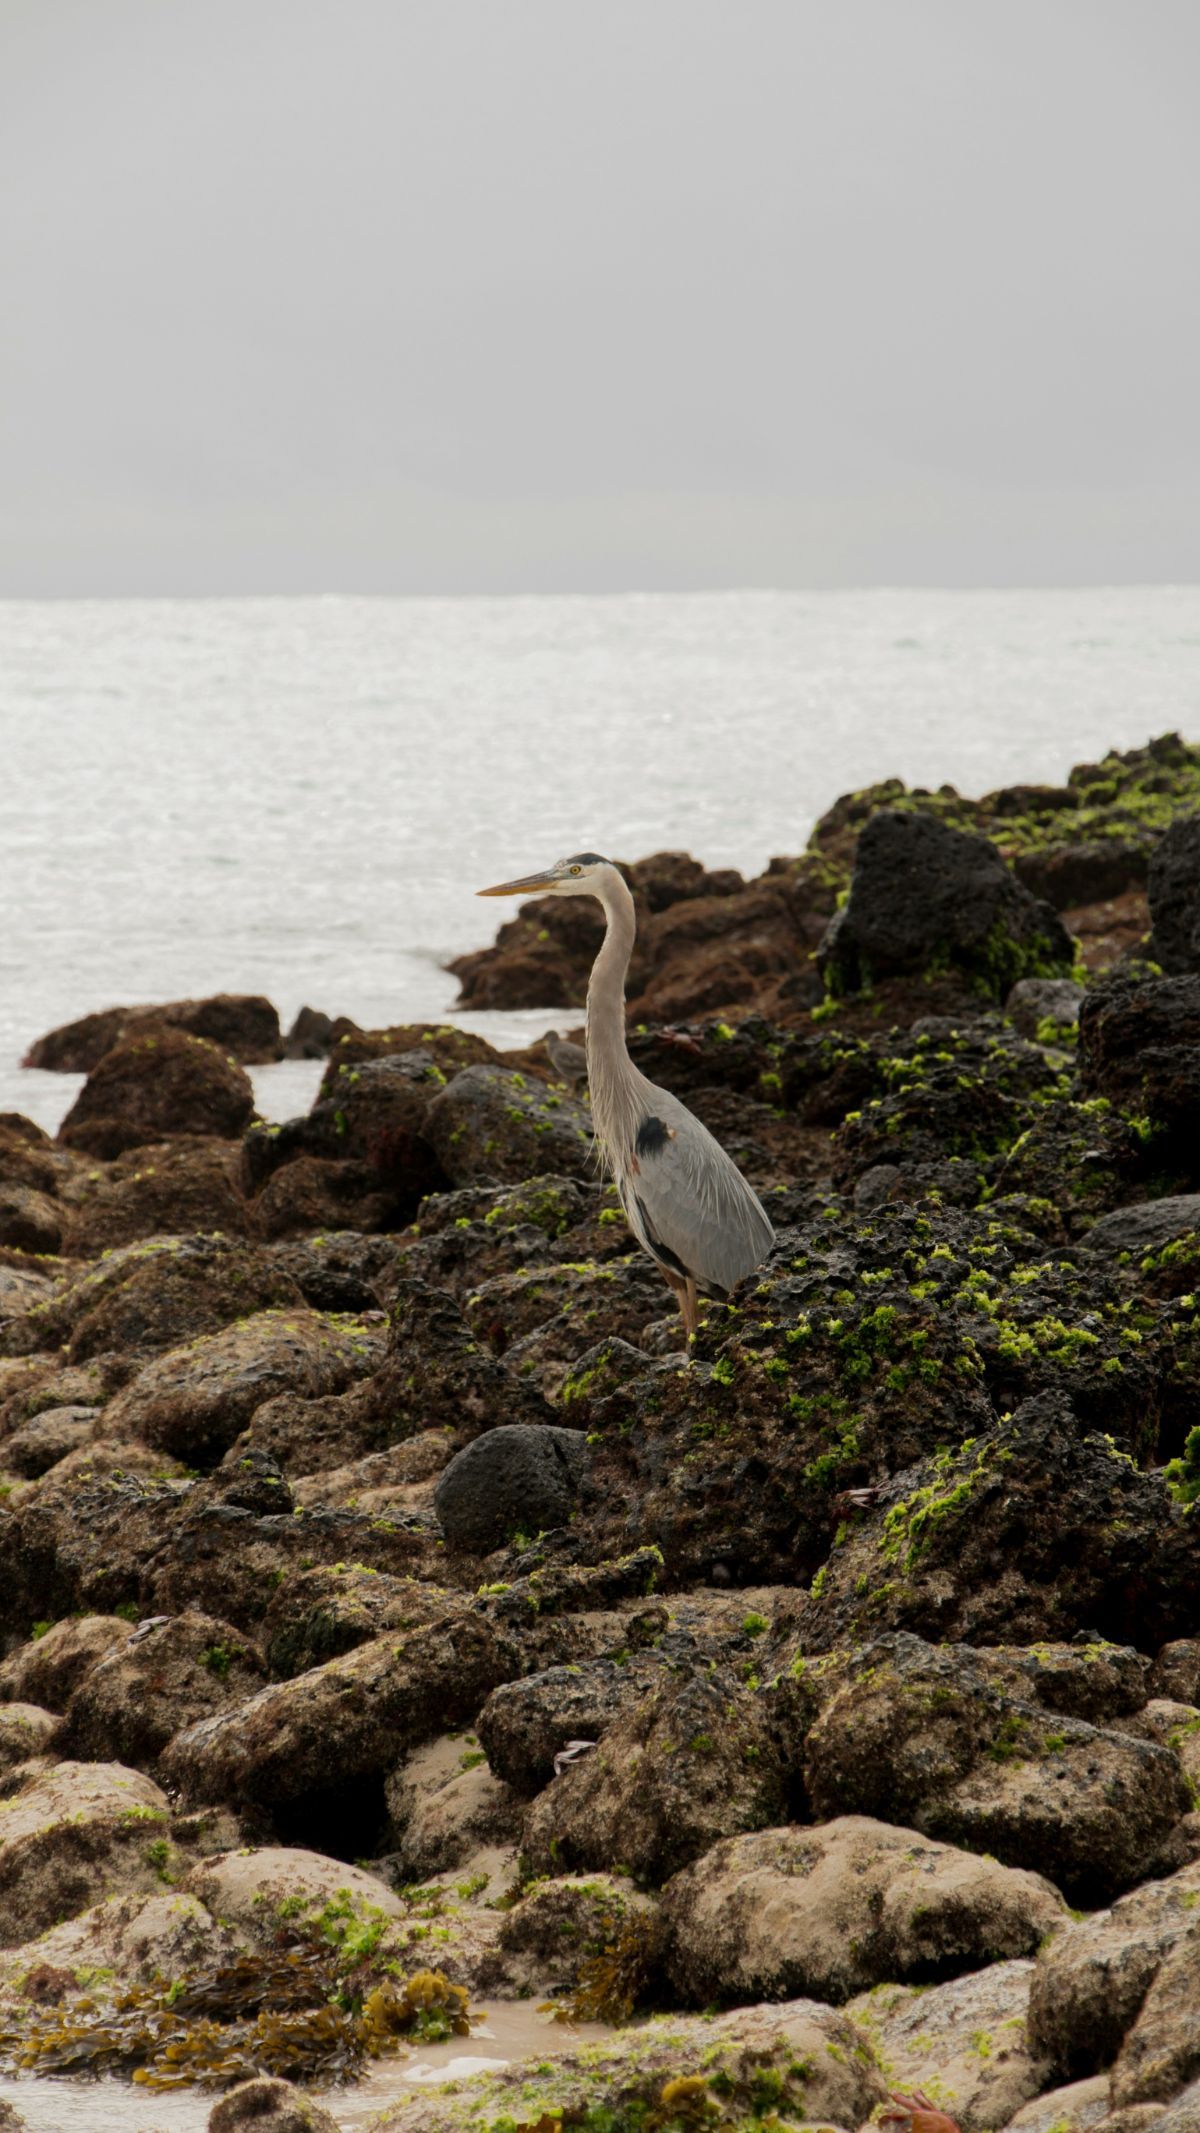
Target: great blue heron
686, 1202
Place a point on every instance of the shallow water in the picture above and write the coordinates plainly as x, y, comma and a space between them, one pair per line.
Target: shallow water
299, 797
506, 2030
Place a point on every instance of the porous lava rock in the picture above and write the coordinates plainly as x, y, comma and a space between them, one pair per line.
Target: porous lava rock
1174, 892
1139, 1046
923, 893
154, 1085
517, 1475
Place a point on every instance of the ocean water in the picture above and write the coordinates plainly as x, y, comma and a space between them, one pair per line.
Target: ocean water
299, 797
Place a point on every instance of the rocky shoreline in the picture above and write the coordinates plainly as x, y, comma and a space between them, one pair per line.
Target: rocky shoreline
395, 1617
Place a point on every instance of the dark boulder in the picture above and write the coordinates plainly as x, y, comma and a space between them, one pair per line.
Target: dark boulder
244, 1025
1035, 1530
167, 1188
490, 1123
157, 1084
310, 1036
375, 1116
923, 895
513, 1477
1139, 1230
1174, 889
1139, 1045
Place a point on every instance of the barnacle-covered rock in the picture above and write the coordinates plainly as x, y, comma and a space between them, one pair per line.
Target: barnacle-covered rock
151, 1295
163, 1678
926, 1736
172, 1188
802, 2061
153, 1083
689, 1764
194, 1400
71, 1835
964, 2042
833, 1910
1092, 1979
298, 1744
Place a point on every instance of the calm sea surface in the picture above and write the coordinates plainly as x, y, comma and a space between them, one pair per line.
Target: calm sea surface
298, 797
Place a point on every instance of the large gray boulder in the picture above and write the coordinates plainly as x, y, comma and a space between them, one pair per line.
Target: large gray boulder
1145, 1228
521, 1477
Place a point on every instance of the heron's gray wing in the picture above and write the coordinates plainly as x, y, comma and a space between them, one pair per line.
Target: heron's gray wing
692, 1199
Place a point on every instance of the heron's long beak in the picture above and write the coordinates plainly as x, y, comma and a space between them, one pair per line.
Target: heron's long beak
527, 885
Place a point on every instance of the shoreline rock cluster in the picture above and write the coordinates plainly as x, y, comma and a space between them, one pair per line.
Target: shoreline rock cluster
391, 1611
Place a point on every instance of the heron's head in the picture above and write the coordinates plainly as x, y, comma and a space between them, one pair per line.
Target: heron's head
581, 875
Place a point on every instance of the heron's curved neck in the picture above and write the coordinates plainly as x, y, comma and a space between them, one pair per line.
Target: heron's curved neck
608, 1060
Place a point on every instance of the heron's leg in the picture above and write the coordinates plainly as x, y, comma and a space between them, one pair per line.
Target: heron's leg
683, 1289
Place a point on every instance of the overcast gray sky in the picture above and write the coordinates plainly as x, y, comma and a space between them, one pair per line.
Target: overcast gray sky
539, 295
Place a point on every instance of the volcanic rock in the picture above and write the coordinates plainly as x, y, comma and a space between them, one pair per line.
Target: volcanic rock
922, 893
489, 1123
514, 1476
1174, 890
153, 1085
243, 1025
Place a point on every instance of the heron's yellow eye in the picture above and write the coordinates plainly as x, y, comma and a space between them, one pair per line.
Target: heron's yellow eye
576, 870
